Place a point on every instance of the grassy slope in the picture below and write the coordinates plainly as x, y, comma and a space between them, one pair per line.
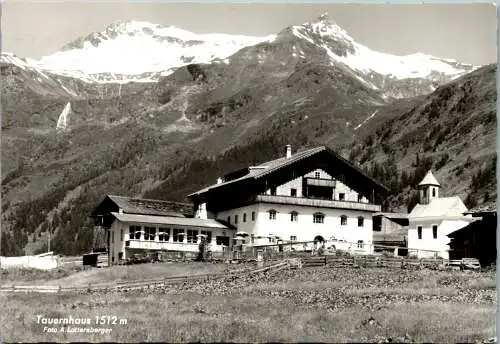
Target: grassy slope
78, 277
313, 305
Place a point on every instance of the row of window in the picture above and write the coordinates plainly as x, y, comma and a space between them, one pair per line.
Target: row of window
434, 232
293, 193
317, 218
149, 233
236, 218
294, 238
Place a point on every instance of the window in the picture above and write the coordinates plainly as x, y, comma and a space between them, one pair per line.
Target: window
192, 236
341, 196
425, 192
433, 192
121, 235
293, 192
318, 218
360, 198
293, 216
178, 235
149, 233
317, 175
343, 220
134, 232
164, 234
252, 238
208, 234
435, 232
272, 214
235, 219
253, 215
244, 217
293, 238
361, 221
120, 255
222, 240
360, 244
273, 191
419, 232
229, 219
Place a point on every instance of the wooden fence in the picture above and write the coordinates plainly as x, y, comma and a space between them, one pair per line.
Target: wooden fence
142, 284
388, 262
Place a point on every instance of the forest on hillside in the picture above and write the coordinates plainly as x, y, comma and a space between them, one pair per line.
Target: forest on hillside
72, 228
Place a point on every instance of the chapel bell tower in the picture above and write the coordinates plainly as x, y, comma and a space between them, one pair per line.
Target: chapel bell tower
428, 188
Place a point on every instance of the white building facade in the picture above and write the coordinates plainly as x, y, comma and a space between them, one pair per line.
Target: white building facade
310, 196
134, 225
131, 233
433, 219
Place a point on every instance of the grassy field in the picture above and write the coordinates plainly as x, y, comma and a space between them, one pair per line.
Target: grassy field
308, 305
72, 275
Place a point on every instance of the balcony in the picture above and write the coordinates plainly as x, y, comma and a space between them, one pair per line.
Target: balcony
318, 203
321, 182
167, 245
160, 245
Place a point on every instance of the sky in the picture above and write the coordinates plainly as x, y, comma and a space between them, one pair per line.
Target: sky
465, 32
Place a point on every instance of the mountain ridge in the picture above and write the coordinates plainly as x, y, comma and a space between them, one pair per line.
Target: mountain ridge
163, 49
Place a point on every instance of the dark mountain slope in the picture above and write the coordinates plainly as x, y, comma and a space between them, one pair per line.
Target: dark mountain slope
113, 144
453, 130
76, 171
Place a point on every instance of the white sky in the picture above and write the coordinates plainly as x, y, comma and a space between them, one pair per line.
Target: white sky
465, 32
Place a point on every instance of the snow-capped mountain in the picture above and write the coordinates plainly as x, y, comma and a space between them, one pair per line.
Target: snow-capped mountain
342, 48
395, 76
140, 51
144, 52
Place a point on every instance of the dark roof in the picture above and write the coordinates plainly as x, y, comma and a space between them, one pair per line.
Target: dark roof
171, 220
263, 169
477, 225
490, 207
147, 206
392, 215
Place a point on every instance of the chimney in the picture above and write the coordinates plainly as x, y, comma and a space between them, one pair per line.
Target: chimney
288, 151
219, 180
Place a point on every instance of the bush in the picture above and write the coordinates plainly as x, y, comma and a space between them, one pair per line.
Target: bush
442, 162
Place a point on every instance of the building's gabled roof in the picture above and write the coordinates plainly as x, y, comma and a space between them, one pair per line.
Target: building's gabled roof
145, 206
476, 225
170, 220
429, 179
266, 168
486, 208
439, 207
